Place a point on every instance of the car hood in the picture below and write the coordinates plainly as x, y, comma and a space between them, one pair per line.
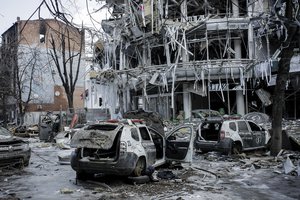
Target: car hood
6, 140
93, 139
5, 137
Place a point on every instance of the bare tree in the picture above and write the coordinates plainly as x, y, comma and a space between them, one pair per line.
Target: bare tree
25, 73
63, 53
5, 90
18, 69
292, 31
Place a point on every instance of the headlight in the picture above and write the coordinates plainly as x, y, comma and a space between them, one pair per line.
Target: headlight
3, 148
25, 147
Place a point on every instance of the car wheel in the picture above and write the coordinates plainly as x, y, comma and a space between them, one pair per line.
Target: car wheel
80, 175
268, 146
140, 167
26, 163
236, 148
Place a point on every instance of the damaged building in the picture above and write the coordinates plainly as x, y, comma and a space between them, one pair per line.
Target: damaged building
170, 56
29, 74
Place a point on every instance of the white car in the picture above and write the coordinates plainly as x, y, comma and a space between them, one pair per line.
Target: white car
231, 136
127, 148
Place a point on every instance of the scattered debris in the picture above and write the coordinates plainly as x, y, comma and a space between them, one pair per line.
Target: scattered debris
64, 157
66, 191
166, 175
100, 184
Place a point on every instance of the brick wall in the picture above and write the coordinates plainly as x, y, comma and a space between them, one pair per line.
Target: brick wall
60, 101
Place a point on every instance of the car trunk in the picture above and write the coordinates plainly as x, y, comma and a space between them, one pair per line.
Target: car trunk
210, 131
101, 153
99, 142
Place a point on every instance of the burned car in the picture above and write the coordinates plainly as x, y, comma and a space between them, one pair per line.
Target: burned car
14, 151
231, 136
151, 118
205, 113
127, 148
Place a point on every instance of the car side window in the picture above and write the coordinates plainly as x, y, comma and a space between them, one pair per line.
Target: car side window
135, 134
254, 127
242, 126
232, 126
182, 134
144, 133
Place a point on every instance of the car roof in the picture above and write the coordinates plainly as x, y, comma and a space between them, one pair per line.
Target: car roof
123, 122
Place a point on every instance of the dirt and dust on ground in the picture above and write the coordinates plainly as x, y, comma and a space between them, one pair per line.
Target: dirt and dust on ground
253, 175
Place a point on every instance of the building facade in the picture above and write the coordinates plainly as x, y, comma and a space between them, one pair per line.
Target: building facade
30, 52
172, 56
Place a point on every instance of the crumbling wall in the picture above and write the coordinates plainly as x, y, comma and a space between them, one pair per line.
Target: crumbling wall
160, 45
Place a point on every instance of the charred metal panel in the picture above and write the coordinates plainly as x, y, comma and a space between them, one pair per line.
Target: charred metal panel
93, 139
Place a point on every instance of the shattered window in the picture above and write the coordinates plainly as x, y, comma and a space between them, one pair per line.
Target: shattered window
135, 134
102, 127
4, 132
254, 127
42, 31
242, 126
232, 126
144, 133
182, 134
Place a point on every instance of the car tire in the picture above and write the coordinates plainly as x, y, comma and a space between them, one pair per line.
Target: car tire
140, 167
236, 148
82, 176
26, 163
269, 144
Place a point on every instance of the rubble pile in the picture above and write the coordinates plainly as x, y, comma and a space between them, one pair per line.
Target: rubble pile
292, 128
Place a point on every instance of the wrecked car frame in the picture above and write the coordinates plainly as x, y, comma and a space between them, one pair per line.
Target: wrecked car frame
127, 148
14, 151
231, 136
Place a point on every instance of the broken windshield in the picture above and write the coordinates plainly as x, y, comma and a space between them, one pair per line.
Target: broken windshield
4, 133
205, 113
102, 127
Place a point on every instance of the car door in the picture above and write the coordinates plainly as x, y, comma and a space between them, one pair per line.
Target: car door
208, 136
179, 143
148, 145
258, 136
245, 133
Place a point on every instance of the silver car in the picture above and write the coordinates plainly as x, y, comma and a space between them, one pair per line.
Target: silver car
231, 136
14, 151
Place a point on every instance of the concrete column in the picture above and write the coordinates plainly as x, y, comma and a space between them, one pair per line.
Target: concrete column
237, 49
184, 54
187, 103
240, 102
250, 32
128, 103
183, 8
235, 8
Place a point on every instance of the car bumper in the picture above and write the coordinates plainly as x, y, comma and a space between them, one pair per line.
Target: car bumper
223, 146
8, 158
123, 166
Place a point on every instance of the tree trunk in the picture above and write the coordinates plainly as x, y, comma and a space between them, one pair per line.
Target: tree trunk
282, 77
70, 102
278, 99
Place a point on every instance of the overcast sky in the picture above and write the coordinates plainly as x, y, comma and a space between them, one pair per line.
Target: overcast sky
11, 9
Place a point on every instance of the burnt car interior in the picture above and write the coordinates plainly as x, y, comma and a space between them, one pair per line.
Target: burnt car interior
178, 143
210, 131
104, 153
158, 142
